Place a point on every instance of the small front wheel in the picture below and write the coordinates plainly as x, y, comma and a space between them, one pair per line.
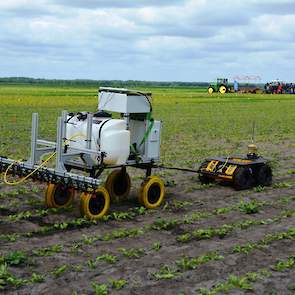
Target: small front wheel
210, 90
58, 196
152, 192
96, 204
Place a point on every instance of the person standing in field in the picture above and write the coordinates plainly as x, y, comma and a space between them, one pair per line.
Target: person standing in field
236, 86
280, 88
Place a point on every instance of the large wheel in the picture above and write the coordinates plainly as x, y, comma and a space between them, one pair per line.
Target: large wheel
58, 196
96, 204
222, 89
210, 90
118, 184
152, 192
243, 178
263, 176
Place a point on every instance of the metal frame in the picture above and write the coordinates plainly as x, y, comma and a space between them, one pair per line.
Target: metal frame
65, 159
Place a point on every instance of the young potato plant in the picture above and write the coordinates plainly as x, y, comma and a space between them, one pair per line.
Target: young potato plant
14, 258
283, 265
250, 207
132, 252
48, 251
108, 258
104, 289
59, 270
6, 278
100, 289
118, 284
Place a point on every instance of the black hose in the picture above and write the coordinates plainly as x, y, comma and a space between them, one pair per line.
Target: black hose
176, 168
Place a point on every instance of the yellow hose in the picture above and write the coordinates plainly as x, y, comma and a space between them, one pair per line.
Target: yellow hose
38, 168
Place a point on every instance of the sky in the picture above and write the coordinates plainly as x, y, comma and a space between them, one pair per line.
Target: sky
156, 40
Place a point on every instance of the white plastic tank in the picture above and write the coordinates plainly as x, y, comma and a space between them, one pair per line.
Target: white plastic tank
108, 135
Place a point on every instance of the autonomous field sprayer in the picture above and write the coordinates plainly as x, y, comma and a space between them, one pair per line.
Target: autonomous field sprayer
89, 143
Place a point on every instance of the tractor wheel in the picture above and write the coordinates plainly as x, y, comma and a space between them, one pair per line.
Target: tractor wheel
263, 176
243, 178
210, 90
152, 192
222, 89
96, 204
58, 196
118, 184
204, 179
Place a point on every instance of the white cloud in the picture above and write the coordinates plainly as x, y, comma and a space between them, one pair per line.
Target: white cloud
156, 40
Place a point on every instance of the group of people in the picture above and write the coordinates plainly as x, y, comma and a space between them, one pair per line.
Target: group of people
279, 88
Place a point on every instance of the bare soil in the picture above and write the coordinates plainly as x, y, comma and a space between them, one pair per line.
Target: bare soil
191, 197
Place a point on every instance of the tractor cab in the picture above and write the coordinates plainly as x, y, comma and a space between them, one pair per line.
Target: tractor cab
222, 81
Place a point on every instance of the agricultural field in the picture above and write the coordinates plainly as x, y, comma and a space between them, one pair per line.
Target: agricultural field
205, 239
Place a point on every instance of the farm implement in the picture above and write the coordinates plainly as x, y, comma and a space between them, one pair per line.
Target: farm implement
91, 143
121, 134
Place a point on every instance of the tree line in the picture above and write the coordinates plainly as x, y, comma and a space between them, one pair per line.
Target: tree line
98, 83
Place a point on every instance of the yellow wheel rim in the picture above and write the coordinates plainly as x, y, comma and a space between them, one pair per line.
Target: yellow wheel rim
118, 185
58, 196
222, 89
152, 192
210, 90
96, 204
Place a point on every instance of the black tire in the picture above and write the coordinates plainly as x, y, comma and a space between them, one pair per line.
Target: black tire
243, 178
118, 185
263, 176
204, 179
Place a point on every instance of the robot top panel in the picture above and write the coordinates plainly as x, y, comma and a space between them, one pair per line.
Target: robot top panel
123, 100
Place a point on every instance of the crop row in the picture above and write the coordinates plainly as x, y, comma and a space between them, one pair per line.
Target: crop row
225, 229
166, 272
186, 263
159, 224
245, 282
18, 257
21, 190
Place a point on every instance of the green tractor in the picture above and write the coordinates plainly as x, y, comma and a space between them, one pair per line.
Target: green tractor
221, 85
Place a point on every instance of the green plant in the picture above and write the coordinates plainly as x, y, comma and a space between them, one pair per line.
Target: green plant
186, 263
60, 270
118, 284
6, 278
156, 246
132, 252
14, 258
48, 251
259, 189
165, 273
162, 224
250, 207
184, 238
37, 278
282, 265
100, 289
90, 240
109, 258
